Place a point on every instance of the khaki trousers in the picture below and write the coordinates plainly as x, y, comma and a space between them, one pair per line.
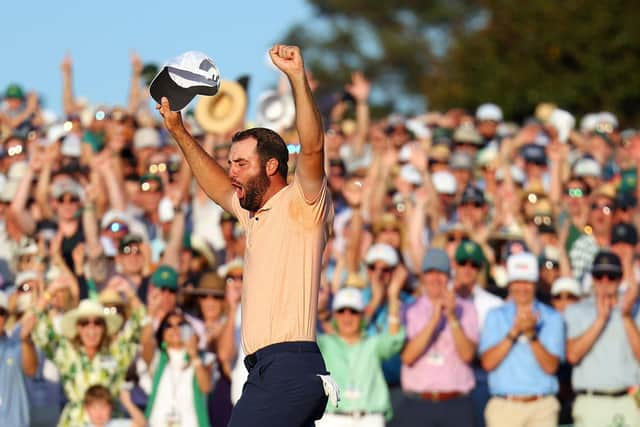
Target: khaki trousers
604, 411
501, 412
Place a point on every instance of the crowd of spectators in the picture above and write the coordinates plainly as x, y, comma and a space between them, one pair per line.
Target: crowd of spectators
479, 271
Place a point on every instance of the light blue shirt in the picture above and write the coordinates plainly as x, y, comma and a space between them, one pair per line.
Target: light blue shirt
610, 364
519, 373
14, 405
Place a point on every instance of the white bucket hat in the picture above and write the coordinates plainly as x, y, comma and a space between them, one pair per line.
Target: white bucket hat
89, 308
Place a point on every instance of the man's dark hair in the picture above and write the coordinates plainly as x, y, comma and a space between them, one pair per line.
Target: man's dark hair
270, 146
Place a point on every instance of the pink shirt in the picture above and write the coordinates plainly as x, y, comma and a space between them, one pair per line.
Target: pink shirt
439, 368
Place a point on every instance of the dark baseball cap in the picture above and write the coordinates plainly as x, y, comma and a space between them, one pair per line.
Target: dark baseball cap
534, 153
129, 239
472, 194
469, 250
606, 262
624, 233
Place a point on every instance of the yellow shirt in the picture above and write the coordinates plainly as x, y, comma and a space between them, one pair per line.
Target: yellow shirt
285, 240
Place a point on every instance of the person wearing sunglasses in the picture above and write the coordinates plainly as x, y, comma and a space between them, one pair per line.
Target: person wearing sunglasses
472, 209
355, 359
18, 359
469, 265
442, 332
603, 345
89, 347
521, 346
598, 230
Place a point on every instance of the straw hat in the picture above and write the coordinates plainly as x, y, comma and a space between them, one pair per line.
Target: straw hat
220, 113
89, 308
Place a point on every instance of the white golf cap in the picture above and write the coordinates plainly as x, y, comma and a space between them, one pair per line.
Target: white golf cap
444, 182
522, 267
146, 138
489, 112
382, 252
275, 111
348, 298
589, 122
410, 174
185, 76
587, 167
71, 146
563, 122
565, 284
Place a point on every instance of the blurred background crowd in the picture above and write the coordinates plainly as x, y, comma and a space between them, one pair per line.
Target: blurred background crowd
480, 271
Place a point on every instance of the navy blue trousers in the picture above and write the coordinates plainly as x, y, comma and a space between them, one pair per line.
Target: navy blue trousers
283, 388
416, 412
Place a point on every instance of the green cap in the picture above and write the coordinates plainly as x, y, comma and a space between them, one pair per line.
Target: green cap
469, 250
165, 277
14, 92
628, 181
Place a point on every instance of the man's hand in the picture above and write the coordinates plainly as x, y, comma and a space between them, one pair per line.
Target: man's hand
65, 65
398, 277
436, 314
449, 302
603, 305
288, 59
172, 119
136, 63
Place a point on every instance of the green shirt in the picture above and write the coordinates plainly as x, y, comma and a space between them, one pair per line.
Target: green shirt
357, 370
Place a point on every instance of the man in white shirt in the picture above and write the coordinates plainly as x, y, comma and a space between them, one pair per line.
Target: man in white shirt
469, 263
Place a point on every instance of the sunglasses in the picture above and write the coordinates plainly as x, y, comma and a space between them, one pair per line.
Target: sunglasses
474, 204
146, 187
214, 296
128, 250
611, 276
575, 193
234, 277
70, 199
116, 227
453, 238
542, 219
25, 287
3, 312
171, 291
469, 263
383, 269
113, 309
606, 209
95, 322
155, 168
565, 296
347, 310
176, 325
15, 150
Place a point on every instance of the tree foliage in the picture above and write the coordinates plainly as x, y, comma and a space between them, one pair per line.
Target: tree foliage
582, 55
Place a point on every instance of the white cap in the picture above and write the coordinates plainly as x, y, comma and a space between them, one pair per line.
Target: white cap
587, 167
66, 185
185, 76
8, 189
276, 111
56, 132
382, 252
589, 122
26, 276
71, 146
404, 155
165, 210
517, 174
419, 128
565, 284
112, 215
27, 246
4, 301
146, 138
234, 264
489, 112
348, 298
522, 267
410, 174
608, 119
444, 182
563, 122
486, 155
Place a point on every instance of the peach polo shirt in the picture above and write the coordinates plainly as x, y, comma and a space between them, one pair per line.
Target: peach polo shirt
285, 240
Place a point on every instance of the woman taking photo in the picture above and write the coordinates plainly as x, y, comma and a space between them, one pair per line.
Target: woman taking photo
89, 350
181, 375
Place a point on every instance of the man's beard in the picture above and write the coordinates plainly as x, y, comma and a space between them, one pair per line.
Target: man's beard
254, 191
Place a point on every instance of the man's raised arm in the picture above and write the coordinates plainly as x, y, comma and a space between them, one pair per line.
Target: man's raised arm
210, 176
310, 167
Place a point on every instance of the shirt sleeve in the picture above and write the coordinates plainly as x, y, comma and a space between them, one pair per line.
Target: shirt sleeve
44, 335
388, 345
490, 336
241, 214
551, 334
126, 344
319, 209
